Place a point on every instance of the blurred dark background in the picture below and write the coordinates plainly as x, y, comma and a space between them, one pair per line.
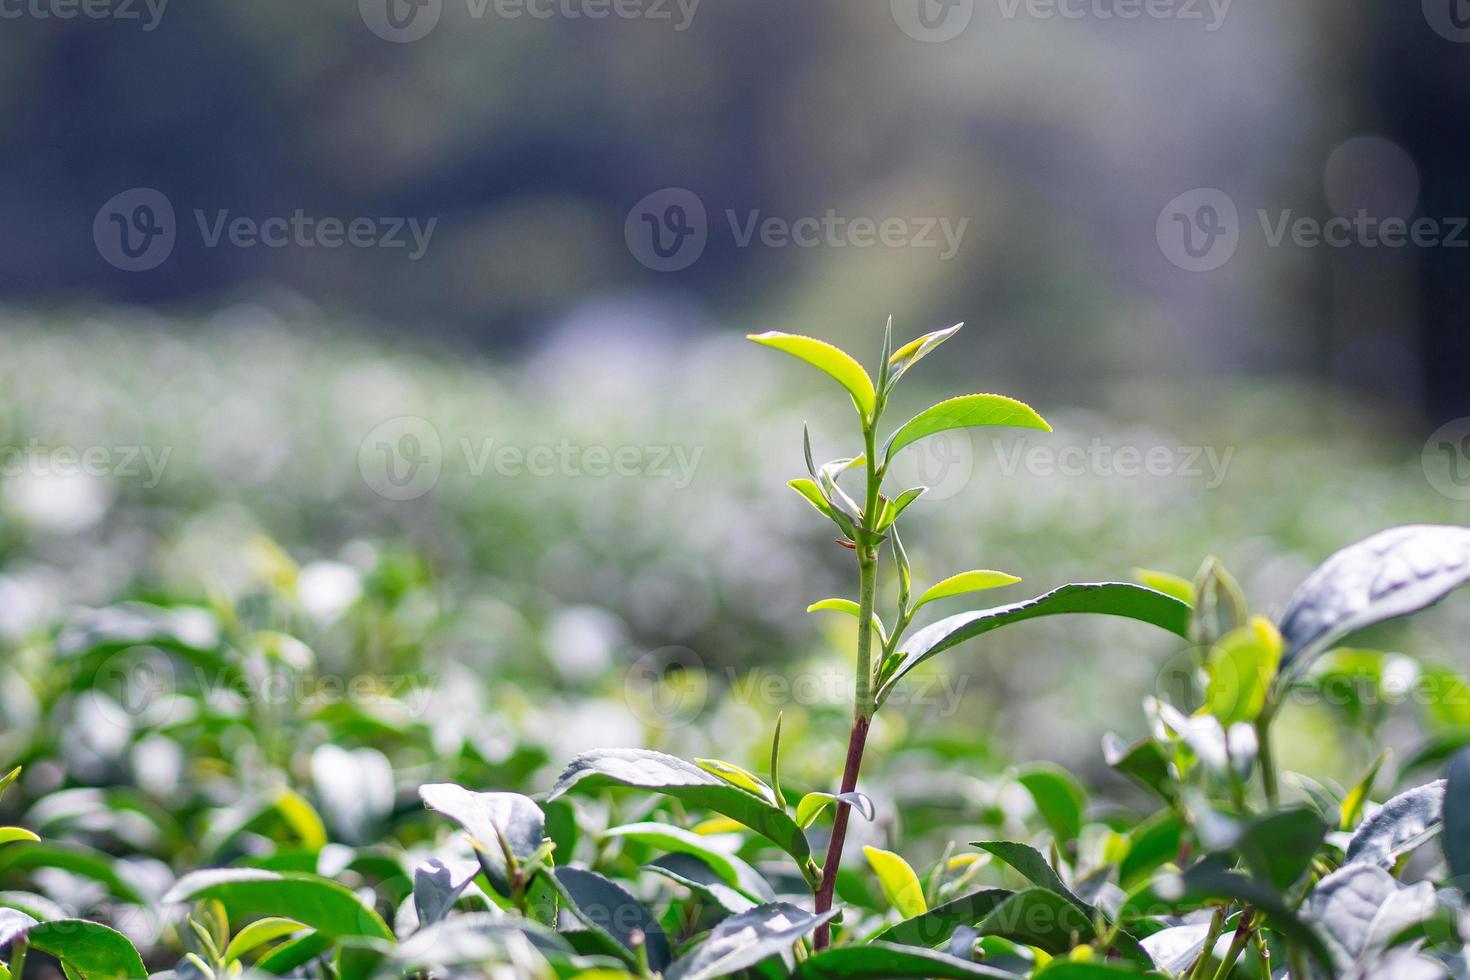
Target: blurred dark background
530, 132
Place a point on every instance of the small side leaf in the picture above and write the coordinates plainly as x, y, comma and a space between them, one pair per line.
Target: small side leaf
965, 582
899, 882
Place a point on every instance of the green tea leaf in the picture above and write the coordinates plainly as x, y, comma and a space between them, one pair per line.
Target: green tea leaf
966, 411
812, 804
674, 777
899, 883
813, 495
744, 940
737, 776
731, 869
1033, 867
317, 902
437, 885
1144, 762
1109, 599
1357, 797
1360, 909
1279, 847
834, 361
1040, 917
490, 819
700, 877
1241, 669
8, 778
1180, 588
91, 949
1391, 574
258, 933
915, 351
610, 912
1152, 843
1398, 826
1058, 796
965, 582
9, 835
885, 961
935, 926
853, 610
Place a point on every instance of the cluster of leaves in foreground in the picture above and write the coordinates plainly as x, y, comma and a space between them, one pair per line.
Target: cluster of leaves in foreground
716, 874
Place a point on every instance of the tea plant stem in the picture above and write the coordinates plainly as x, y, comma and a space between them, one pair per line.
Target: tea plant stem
828, 887
1217, 926
1237, 944
17, 959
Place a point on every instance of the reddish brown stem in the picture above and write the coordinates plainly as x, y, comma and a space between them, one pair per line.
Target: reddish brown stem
828, 886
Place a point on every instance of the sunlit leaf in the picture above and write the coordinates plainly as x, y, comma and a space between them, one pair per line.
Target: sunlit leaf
899, 883
852, 609
737, 776
660, 773
744, 940
1109, 599
1391, 574
834, 361
966, 411
610, 912
1240, 669
317, 902
965, 582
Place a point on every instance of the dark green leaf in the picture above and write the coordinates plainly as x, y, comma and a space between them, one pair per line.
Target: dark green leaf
1040, 917
609, 911
1391, 574
86, 947
1152, 843
1360, 909
1143, 761
883, 961
1398, 826
743, 940
1456, 808
696, 874
322, 904
1279, 847
644, 769
496, 822
732, 870
935, 926
1109, 599
1032, 866
1058, 796
437, 885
